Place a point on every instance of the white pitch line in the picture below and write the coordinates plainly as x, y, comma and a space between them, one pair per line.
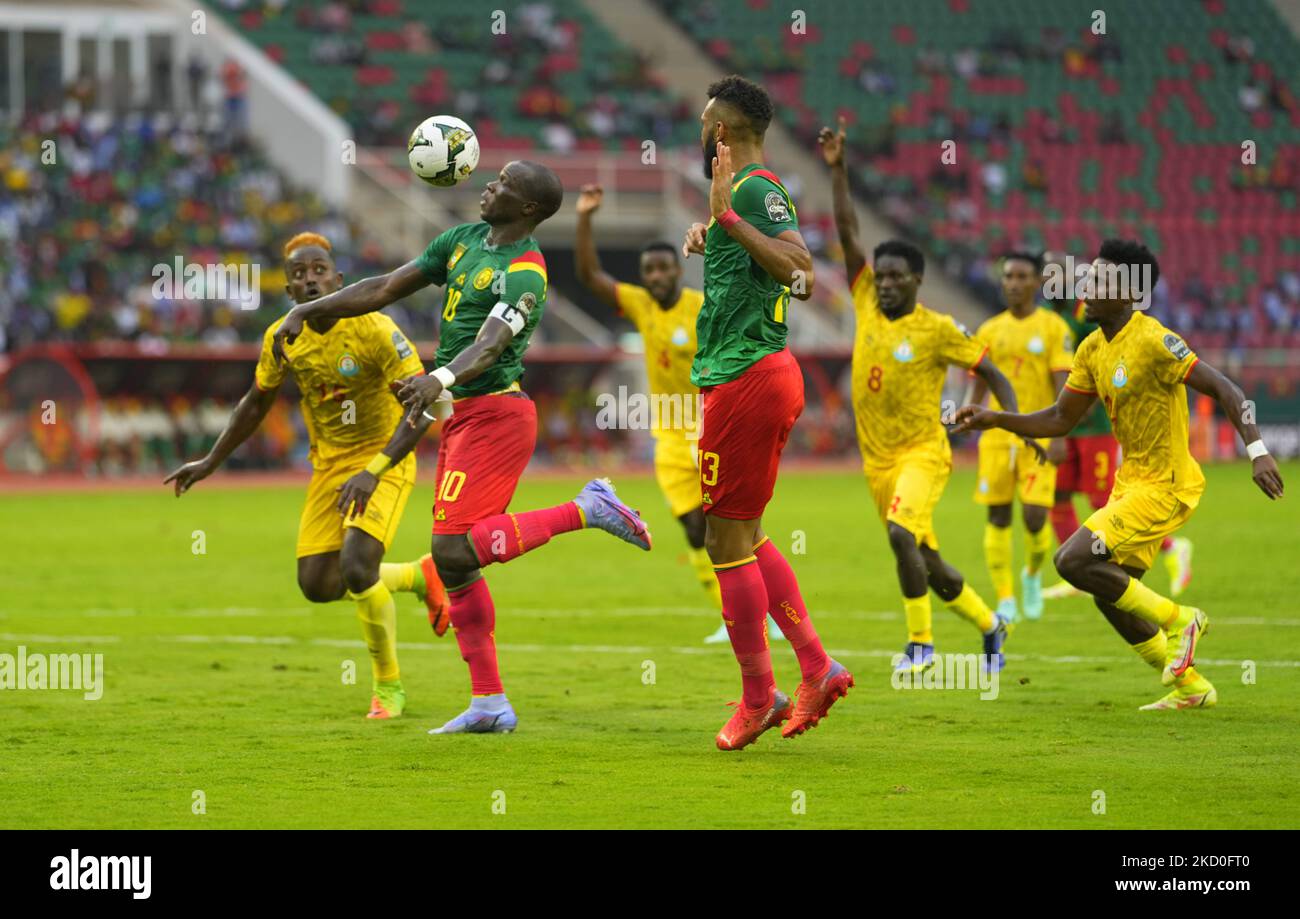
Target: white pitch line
622, 612
288, 640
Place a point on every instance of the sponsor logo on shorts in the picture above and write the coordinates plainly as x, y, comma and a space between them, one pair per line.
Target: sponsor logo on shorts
440, 514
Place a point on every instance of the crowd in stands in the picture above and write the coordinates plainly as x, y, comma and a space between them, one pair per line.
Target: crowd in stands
79, 243
554, 79
1053, 123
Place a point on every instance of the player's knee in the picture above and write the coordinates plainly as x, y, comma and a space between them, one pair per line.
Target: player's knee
946, 583
318, 589
1035, 518
1070, 564
1000, 515
358, 573
452, 553
901, 540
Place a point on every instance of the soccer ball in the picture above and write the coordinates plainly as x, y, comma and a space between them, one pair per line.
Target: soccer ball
443, 150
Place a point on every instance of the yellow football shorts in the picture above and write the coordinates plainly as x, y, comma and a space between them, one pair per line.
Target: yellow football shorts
907, 491
677, 472
320, 529
1010, 470
1135, 521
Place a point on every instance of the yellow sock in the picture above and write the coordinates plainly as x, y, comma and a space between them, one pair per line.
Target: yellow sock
971, 606
917, 611
704, 571
1039, 544
378, 615
1145, 603
997, 555
400, 577
1153, 649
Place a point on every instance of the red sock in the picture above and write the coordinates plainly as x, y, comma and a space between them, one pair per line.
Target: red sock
473, 617
786, 605
507, 536
744, 609
1064, 520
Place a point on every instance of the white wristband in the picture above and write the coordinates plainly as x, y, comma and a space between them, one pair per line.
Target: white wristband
1256, 449
445, 377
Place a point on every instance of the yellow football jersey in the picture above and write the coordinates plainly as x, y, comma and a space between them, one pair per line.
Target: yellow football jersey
1138, 375
899, 369
343, 376
1027, 351
669, 336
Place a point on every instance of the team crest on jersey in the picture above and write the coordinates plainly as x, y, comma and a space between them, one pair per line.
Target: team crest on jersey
483, 279
1035, 345
1120, 377
903, 351
680, 337
455, 256
348, 365
777, 209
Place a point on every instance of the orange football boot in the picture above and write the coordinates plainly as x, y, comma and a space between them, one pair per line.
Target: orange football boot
814, 699
435, 597
745, 726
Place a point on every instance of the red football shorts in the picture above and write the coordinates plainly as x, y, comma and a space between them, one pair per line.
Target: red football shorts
486, 444
744, 427
1089, 467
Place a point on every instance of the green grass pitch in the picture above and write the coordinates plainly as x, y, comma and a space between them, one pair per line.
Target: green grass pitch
221, 679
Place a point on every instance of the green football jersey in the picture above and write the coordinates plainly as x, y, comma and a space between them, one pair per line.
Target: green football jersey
1095, 421
477, 277
744, 314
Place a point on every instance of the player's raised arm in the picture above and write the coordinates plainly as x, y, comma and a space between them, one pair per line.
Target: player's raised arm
1206, 379
245, 419
365, 296
846, 218
785, 257
586, 259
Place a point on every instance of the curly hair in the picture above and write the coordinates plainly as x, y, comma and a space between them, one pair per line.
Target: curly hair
1130, 252
747, 98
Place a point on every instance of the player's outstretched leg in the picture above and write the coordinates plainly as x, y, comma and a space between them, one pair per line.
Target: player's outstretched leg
503, 537
961, 599
420, 577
